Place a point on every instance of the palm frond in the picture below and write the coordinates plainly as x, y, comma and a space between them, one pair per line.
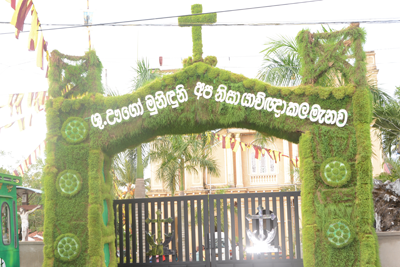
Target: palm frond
143, 75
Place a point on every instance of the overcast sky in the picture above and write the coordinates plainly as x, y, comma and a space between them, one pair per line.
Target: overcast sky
236, 47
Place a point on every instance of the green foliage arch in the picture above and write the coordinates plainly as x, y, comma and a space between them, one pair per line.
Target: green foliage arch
108, 134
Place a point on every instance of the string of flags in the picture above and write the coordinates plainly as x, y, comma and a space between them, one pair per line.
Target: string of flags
36, 100
31, 159
232, 143
22, 8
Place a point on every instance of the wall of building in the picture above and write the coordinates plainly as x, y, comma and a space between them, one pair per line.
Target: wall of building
389, 244
31, 253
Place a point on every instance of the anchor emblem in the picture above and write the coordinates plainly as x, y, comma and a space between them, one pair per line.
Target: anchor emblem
262, 243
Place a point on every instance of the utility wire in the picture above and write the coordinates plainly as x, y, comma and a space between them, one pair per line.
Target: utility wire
169, 17
262, 24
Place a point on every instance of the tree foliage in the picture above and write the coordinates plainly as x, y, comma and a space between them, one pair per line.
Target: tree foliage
177, 153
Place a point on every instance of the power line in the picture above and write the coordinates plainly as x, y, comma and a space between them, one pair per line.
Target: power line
169, 17
262, 24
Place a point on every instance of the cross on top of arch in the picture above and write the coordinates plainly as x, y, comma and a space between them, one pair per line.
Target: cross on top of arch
195, 22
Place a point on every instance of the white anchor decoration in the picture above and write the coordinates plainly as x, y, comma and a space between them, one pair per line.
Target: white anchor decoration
261, 243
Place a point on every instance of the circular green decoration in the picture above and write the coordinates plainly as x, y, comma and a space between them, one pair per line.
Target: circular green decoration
69, 183
75, 130
335, 172
67, 247
339, 233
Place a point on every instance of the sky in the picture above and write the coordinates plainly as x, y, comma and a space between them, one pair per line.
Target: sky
237, 48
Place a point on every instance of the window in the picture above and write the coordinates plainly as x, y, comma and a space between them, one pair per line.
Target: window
253, 162
263, 164
271, 165
5, 224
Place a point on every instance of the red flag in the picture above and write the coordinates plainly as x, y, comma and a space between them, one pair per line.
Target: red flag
22, 12
29, 121
16, 173
269, 154
223, 142
233, 143
29, 159
257, 156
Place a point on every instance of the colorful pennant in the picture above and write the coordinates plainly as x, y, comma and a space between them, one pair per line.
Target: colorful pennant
24, 166
231, 143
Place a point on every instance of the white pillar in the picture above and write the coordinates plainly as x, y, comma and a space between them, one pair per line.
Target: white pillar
239, 174
295, 153
286, 162
229, 157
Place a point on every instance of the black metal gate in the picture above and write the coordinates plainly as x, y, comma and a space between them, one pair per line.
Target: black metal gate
224, 230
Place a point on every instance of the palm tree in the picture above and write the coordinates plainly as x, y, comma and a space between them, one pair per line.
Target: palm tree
144, 75
387, 120
281, 64
128, 167
177, 153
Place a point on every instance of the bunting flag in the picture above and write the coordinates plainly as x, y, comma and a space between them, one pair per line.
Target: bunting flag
21, 10
40, 48
236, 146
30, 98
243, 146
33, 34
20, 13
22, 168
21, 124
18, 103
277, 156
12, 3
232, 143
257, 152
7, 126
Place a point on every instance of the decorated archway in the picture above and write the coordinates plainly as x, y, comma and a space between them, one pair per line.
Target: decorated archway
332, 126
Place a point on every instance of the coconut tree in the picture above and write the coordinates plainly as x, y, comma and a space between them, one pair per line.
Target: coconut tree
128, 166
143, 76
179, 153
387, 120
281, 64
